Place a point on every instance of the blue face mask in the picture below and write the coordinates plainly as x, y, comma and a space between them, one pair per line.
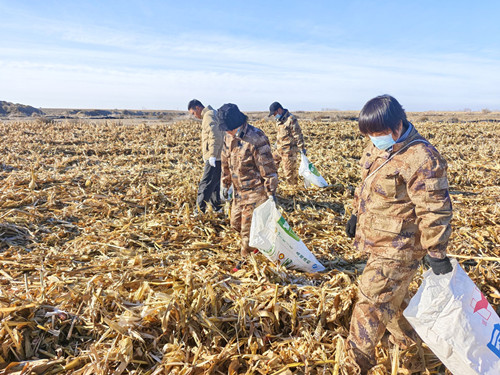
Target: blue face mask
383, 142
278, 116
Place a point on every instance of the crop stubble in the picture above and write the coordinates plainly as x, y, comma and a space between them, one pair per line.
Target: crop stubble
105, 269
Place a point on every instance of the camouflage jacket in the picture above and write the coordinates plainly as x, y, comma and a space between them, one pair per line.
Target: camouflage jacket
289, 137
248, 164
212, 137
404, 208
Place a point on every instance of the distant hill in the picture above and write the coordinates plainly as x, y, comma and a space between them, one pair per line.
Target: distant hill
8, 109
18, 110
67, 113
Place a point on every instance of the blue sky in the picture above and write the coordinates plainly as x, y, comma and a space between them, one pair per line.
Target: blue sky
309, 55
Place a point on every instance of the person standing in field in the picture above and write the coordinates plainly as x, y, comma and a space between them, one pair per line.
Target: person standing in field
248, 165
401, 212
212, 139
289, 142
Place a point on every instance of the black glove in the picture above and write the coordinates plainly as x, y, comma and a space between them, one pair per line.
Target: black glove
350, 227
224, 193
304, 151
440, 266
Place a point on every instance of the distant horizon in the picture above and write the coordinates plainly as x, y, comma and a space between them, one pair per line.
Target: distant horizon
465, 110
431, 56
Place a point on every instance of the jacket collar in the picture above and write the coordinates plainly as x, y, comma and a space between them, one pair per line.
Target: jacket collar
205, 110
243, 131
284, 117
414, 134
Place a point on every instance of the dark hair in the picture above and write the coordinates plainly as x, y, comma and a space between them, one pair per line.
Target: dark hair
380, 114
195, 103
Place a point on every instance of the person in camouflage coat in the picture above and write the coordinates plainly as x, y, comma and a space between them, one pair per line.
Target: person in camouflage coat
248, 165
401, 212
289, 142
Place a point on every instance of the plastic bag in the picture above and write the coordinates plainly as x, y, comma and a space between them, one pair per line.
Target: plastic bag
310, 173
271, 234
456, 321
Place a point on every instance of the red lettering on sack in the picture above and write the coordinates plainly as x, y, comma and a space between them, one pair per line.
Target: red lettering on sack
481, 306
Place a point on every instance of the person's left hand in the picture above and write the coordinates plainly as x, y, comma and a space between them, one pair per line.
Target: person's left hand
212, 160
304, 151
273, 197
350, 227
440, 266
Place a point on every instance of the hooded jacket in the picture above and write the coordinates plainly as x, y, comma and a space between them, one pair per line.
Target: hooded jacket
403, 204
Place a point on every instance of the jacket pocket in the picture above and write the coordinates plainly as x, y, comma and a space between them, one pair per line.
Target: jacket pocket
385, 185
392, 232
388, 224
383, 230
436, 190
433, 184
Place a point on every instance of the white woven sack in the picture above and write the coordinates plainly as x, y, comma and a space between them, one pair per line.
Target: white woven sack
456, 321
271, 234
310, 173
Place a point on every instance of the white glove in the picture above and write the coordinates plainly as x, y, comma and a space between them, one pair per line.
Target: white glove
212, 160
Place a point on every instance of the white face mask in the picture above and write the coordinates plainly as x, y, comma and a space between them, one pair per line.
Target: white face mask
382, 142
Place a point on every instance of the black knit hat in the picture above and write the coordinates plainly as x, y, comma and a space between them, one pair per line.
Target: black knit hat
229, 117
274, 107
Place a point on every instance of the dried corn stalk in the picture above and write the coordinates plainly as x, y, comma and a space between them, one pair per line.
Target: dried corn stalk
105, 269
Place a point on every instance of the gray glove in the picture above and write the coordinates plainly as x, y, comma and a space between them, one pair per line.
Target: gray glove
224, 193
350, 227
440, 266
273, 197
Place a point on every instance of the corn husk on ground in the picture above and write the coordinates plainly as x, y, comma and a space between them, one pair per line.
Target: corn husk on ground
105, 268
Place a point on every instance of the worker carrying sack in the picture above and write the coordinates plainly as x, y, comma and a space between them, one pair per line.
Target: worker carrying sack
456, 321
271, 234
310, 173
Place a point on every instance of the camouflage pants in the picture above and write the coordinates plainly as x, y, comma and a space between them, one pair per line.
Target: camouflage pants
382, 297
289, 165
241, 219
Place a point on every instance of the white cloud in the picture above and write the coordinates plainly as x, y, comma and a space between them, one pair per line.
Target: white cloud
104, 68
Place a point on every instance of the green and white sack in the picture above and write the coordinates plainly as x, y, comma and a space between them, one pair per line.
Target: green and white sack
271, 234
310, 174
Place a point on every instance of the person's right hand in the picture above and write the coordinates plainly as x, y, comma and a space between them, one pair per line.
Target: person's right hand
350, 227
224, 193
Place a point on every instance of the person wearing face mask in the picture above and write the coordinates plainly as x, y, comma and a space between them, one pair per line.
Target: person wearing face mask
401, 212
289, 141
247, 164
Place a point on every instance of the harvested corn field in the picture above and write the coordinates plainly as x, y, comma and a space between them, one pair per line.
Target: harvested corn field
106, 269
